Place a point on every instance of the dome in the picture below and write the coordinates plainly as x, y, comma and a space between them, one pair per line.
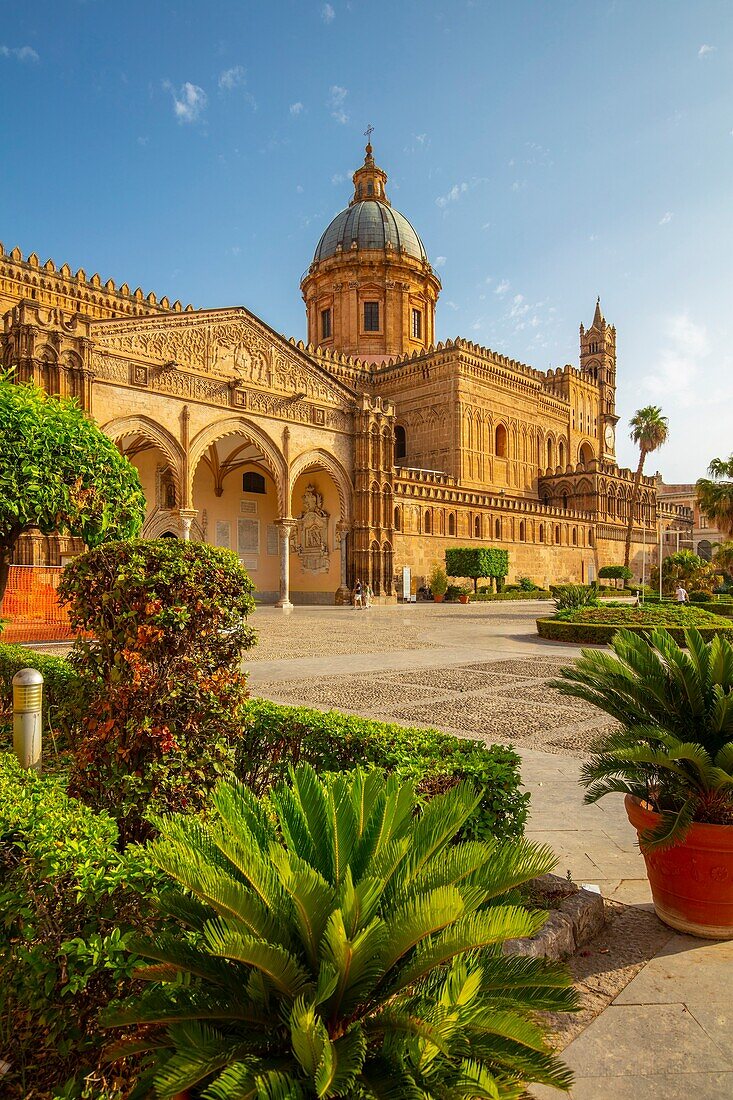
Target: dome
371, 224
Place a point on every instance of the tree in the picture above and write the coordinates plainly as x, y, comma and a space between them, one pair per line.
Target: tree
336, 943
649, 431
475, 562
615, 572
723, 558
60, 472
686, 568
715, 494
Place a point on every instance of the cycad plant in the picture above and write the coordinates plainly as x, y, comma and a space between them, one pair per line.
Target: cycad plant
337, 944
674, 747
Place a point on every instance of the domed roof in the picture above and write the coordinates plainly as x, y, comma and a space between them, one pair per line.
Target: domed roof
371, 224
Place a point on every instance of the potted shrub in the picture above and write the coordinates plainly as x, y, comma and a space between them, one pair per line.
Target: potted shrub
339, 943
438, 582
673, 759
464, 594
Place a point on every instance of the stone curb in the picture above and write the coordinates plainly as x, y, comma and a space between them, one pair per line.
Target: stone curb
578, 917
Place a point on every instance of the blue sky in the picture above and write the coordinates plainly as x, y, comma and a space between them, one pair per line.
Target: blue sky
545, 151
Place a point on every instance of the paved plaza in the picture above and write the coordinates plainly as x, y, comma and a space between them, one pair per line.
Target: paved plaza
657, 1015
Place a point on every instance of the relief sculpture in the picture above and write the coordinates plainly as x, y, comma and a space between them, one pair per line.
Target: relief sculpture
311, 539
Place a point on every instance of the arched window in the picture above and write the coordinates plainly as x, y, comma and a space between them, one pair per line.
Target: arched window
400, 443
452, 523
557, 533
590, 537
398, 519
477, 527
376, 501
387, 569
427, 526
561, 454
575, 536
252, 482
550, 454
586, 453
542, 532
565, 502
705, 550
497, 529
522, 531
500, 441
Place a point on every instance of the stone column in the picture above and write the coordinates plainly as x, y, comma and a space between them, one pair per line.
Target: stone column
343, 593
187, 516
286, 528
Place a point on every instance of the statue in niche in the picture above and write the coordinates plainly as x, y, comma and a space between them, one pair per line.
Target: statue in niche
311, 540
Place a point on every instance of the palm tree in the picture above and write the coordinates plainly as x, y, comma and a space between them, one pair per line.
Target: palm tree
723, 557
715, 494
649, 430
674, 747
336, 944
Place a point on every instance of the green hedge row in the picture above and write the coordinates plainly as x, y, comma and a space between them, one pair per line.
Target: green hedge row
68, 899
535, 594
601, 633
277, 735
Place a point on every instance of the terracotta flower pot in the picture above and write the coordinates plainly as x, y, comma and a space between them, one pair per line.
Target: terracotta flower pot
463, 599
438, 598
692, 883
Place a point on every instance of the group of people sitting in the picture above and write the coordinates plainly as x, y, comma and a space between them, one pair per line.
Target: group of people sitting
362, 596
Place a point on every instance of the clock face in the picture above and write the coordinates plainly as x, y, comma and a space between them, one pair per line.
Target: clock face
609, 436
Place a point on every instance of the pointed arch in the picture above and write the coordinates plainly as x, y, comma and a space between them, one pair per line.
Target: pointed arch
318, 459
240, 425
154, 433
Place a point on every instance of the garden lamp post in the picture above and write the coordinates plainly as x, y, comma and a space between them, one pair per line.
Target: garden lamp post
27, 717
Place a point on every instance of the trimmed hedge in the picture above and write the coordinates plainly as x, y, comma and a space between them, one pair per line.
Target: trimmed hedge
485, 595
69, 900
276, 736
559, 630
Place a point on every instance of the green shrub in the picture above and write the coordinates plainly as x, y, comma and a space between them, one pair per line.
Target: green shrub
477, 561
701, 596
345, 947
68, 899
277, 736
527, 584
569, 597
59, 685
438, 581
510, 593
161, 691
453, 591
599, 624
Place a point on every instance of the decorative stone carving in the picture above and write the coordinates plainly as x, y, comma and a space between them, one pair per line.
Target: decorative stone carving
311, 540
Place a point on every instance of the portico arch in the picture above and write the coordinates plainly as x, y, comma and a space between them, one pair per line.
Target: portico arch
159, 459
268, 453
320, 497
155, 434
319, 459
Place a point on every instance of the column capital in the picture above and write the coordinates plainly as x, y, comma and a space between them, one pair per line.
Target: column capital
186, 517
286, 525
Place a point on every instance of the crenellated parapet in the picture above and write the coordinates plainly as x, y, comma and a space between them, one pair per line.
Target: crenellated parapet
52, 287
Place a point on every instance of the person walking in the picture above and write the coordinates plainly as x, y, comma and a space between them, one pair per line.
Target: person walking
358, 595
368, 595
681, 594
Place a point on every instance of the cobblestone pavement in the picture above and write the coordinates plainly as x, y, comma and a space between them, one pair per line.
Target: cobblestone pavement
434, 678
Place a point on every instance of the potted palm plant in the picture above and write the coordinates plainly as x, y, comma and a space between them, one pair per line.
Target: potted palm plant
672, 757
438, 583
339, 944
464, 593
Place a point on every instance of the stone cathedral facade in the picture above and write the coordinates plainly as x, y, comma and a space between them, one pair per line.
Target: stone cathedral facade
365, 449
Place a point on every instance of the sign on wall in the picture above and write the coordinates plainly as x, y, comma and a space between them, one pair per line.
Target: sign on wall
223, 534
248, 537
406, 581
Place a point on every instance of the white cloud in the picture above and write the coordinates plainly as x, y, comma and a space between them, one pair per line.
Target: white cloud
143, 140
519, 185
502, 288
232, 78
666, 218
189, 103
335, 103
299, 189
338, 177
486, 225
519, 307
439, 261
675, 375
705, 51
454, 306
296, 109
327, 13
453, 195
20, 53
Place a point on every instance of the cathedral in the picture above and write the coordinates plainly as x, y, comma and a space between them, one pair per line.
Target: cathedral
366, 449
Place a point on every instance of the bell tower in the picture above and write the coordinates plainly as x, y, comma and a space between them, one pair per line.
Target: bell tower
370, 291
598, 360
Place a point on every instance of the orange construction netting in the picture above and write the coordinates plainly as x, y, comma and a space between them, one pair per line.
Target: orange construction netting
30, 606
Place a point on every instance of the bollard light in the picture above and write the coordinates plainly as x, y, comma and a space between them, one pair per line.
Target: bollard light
27, 717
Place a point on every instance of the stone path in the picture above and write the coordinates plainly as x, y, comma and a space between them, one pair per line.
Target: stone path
481, 671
